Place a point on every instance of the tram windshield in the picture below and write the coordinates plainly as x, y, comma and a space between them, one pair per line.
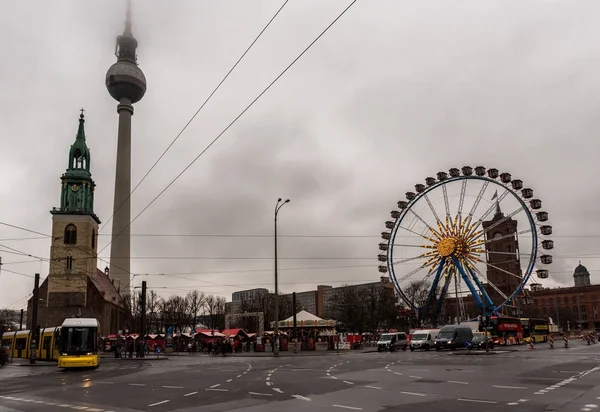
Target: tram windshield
79, 340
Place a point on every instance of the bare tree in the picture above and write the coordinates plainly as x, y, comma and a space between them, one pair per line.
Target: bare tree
196, 302
215, 310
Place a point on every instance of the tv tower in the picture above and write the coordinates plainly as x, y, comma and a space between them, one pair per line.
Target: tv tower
126, 83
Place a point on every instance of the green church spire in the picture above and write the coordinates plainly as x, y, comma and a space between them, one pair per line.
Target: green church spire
77, 191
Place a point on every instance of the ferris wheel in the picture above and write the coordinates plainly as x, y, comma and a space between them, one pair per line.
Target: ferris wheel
470, 238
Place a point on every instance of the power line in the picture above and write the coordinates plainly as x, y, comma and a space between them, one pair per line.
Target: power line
230, 124
197, 111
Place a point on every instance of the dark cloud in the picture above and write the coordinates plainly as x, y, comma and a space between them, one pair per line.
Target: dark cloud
394, 93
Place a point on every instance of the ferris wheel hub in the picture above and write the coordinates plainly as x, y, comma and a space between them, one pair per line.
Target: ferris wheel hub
447, 246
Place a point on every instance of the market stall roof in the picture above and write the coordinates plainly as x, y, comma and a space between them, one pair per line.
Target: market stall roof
306, 319
234, 332
210, 333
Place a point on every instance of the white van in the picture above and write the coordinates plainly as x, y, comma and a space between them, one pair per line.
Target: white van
393, 341
423, 339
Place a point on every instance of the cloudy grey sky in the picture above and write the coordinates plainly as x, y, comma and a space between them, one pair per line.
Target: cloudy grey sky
395, 92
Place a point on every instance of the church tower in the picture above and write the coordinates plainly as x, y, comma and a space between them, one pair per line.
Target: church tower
73, 252
502, 247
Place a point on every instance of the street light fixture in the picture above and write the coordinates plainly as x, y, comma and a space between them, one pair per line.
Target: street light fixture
278, 206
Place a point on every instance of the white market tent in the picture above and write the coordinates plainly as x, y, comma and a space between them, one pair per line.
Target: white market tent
306, 319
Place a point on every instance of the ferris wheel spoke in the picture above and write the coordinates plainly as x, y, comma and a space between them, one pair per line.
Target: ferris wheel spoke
437, 218
466, 279
417, 233
432, 230
472, 265
504, 271
496, 239
419, 246
424, 255
446, 201
444, 292
461, 202
504, 219
480, 221
467, 221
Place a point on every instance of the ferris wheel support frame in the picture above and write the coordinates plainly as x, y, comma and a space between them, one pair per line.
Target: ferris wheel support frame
491, 308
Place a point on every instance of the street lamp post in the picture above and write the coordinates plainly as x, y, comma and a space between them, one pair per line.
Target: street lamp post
278, 206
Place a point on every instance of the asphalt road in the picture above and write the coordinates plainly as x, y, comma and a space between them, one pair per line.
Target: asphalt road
540, 380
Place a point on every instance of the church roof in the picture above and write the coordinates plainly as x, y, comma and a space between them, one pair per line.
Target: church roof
581, 270
105, 287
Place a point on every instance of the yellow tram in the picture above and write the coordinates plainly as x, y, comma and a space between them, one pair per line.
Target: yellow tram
74, 344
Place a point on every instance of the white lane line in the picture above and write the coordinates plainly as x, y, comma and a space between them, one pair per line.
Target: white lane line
136, 384
459, 382
239, 376
508, 387
159, 403
260, 394
302, 398
172, 387
92, 409
79, 408
475, 400
513, 403
590, 405
415, 377
277, 390
333, 377
372, 387
349, 383
190, 394
348, 407
398, 373
413, 393
214, 386
228, 380
218, 390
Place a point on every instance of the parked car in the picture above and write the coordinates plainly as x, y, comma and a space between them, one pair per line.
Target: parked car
392, 342
423, 339
453, 337
478, 341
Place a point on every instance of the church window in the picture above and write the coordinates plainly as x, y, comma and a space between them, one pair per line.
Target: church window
70, 234
69, 262
93, 238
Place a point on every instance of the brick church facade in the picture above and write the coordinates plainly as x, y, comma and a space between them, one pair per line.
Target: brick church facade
74, 285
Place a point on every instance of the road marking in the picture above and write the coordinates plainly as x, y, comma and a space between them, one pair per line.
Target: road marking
413, 393
349, 383
398, 373
277, 390
214, 386
348, 407
107, 383
159, 403
190, 394
172, 387
333, 377
79, 408
218, 389
459, 382
302, 398
591, 405
475, 400
260, 394
228, 380
137, 384
513, 403
372, 387
92, 409
415, 377
509, 387
239, 376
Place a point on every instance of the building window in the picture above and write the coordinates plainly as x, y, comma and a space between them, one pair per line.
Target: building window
558, 300
575, 311
69, 262
93, 238
551, 301
70, 234
583, 312
543, 301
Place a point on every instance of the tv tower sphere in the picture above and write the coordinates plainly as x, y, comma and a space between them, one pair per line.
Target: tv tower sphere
125, 79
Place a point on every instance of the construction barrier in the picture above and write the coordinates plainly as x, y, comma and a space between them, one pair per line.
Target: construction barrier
587, 339
551, 341
566, 339
531, 347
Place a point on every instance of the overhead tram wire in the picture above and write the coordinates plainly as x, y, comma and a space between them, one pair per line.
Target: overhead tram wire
196, 113
232, 123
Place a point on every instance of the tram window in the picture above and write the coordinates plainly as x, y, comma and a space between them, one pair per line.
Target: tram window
78, 340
